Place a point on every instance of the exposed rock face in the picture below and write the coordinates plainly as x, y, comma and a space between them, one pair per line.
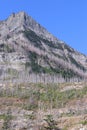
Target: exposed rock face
26, 47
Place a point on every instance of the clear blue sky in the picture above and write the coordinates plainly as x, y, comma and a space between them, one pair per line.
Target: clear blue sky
66, 19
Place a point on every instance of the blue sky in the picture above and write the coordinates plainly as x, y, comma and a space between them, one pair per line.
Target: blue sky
66, 19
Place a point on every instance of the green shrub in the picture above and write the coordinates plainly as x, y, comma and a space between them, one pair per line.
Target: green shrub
84, 122
7, 119
51, 123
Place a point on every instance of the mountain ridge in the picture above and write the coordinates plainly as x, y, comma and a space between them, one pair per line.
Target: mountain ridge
25, 44
29, 22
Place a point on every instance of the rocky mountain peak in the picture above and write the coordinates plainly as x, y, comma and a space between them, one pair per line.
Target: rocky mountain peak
21, 21
25, 44
18, 18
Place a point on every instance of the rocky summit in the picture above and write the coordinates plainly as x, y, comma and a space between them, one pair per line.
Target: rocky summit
42, 79
28, 50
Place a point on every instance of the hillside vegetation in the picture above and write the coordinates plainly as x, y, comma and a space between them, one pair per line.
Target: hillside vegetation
30, 105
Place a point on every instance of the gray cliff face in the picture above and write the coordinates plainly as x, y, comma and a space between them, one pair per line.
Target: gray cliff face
26, 47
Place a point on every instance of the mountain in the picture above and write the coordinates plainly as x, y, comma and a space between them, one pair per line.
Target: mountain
28, 52
36, 69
